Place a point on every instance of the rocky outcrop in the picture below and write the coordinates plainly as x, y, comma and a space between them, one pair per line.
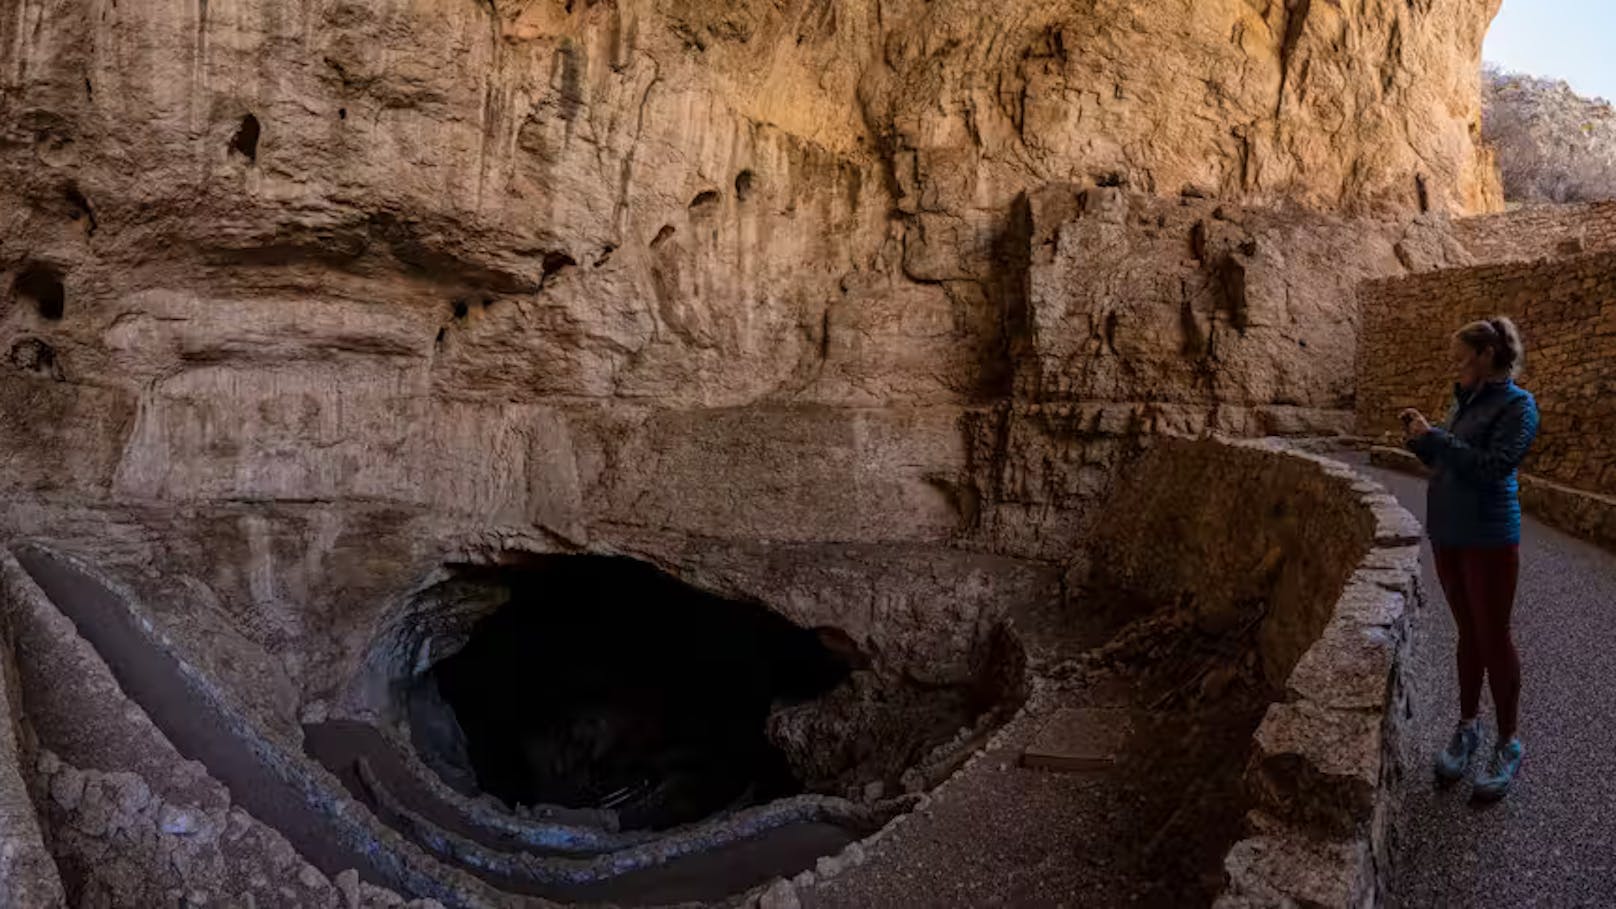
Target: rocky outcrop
1553, 145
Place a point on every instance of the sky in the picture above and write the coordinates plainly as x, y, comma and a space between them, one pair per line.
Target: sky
1559, 39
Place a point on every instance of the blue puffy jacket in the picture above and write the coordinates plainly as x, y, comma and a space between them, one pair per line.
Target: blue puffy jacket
1474, 498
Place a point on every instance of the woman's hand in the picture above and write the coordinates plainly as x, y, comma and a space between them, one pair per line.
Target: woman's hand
1414, 424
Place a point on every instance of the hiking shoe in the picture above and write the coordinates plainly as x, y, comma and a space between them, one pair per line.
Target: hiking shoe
1451, 763
1501, 770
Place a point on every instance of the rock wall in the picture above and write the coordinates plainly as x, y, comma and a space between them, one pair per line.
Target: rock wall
1538, 232
1196, 307
1141, 317
1325, 760
1566, 310
1553, 145
411, 229
1588, 515
560, 266
28, 874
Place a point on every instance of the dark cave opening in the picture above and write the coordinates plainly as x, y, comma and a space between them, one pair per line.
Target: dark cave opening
42, 286
554, 261
245, 141
602, 682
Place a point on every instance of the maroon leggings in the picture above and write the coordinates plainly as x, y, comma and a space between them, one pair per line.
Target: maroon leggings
1480, 587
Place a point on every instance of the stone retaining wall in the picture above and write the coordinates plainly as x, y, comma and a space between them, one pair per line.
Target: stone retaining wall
1539, 232
130, 821
1333, 559
1326, 757
1166, 539
28, 875
1567, 313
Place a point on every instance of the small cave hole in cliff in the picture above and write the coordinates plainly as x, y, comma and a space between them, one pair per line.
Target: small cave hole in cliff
604, 683
42, 286
745, 183
245, 141
554, 261
35, 357
79, 208
705, 200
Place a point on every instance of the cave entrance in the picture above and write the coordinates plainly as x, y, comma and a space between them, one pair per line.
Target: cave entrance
603, 683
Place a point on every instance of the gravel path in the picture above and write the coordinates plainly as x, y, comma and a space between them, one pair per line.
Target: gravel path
1552, 842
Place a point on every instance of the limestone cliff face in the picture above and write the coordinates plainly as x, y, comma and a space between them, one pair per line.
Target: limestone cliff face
692, 203
640, 272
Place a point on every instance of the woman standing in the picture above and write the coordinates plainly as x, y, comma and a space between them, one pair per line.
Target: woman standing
1474, 521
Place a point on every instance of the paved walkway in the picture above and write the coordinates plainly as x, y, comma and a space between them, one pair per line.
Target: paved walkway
1552, 842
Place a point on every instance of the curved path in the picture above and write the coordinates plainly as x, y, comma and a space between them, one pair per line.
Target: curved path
698, 863
1552, 842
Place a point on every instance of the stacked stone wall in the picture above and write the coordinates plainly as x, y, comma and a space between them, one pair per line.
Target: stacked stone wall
1539, 232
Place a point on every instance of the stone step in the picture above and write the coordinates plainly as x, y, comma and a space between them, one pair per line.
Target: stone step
1079, 739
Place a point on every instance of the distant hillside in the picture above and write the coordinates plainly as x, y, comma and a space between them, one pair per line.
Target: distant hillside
1553, 144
